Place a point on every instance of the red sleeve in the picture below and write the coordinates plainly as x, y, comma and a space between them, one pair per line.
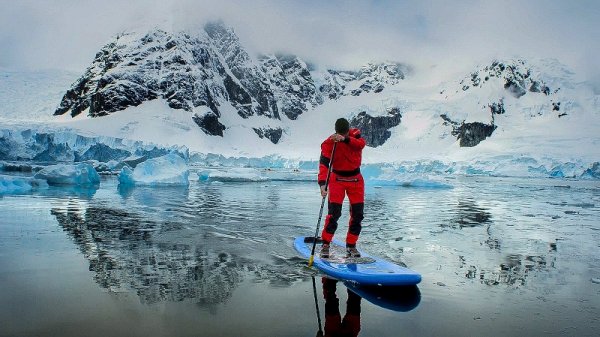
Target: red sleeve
355, 140
324, 160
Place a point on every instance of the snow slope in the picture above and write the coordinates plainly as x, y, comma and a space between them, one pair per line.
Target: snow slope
31, 96
541, 116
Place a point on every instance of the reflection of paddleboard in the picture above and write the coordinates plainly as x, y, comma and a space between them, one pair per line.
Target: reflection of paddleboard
365, 270
396, 298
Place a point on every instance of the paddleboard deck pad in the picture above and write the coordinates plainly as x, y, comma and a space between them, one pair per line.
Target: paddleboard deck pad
367, 269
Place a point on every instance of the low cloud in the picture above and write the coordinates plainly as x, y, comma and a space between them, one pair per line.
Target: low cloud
66, 34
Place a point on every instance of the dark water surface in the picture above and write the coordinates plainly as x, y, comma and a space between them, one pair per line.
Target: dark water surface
499, 257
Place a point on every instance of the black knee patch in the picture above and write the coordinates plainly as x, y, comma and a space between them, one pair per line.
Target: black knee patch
357, 215
335, 212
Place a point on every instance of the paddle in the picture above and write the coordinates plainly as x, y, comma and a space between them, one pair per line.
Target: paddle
320, 333
312, 254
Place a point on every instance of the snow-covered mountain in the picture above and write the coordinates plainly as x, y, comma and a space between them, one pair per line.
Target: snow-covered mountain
204, 72
205, 91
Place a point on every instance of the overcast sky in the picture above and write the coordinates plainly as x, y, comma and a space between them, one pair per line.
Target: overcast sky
66, 34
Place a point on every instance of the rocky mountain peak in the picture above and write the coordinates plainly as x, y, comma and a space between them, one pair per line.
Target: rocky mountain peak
292, 84
186, 70
516, 76
201, 72
370, 78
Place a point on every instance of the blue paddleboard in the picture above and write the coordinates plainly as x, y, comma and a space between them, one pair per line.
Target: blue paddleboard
365, 270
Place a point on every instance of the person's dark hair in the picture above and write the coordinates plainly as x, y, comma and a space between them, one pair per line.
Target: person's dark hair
342, 126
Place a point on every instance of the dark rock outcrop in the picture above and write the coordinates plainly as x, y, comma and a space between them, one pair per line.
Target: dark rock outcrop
209, 123
497, 108
536, 86
375, 130
469, 134
274, 135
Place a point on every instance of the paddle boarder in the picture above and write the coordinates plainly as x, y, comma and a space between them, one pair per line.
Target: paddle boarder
345, 179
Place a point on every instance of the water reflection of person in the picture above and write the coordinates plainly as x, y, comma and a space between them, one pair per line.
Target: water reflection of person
335, 326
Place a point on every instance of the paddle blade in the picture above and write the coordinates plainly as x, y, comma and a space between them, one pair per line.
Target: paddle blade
312, 239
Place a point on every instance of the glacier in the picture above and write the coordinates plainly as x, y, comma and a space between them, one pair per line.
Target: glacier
45, 144
30, 149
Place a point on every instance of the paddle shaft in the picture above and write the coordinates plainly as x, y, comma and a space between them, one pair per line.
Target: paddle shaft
317, 305
312, 254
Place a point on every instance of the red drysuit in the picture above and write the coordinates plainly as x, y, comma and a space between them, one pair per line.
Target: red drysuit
345, 179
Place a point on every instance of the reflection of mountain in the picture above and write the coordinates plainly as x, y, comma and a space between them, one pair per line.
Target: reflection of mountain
514, 271
122, 254
468, 214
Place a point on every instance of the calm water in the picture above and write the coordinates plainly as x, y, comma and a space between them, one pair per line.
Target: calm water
499, 257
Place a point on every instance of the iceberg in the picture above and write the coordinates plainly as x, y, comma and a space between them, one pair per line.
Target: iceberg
17, 184
82, 174
232, 175
170, 169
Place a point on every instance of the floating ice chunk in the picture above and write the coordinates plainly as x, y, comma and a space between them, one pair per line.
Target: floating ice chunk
418, 183
170, 169
82, 174
289, 175
126, 176
423, 183
232, 175
15, 184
